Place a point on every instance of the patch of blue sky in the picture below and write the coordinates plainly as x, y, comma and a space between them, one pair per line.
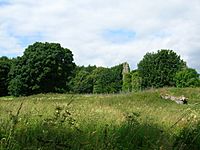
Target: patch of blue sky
119, 36
24, 41
4, 2
4, 52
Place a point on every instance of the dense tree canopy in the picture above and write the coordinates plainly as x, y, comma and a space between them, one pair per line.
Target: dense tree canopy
158, 69
5, 64
117, 78
48, 67
83, 80
187, 78
94, 79
108, 80
44, 67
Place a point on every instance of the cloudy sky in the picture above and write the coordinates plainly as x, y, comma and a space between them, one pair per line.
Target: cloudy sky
103, 33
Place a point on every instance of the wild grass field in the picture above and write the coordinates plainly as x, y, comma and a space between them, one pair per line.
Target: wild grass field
140, 120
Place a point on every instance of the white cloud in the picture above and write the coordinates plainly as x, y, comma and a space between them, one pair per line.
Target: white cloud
79, 25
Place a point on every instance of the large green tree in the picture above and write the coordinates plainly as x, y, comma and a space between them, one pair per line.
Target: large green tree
158, 69
44, 67
187, 78
5, 64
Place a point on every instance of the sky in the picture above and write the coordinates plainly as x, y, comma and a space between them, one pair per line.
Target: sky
103, 33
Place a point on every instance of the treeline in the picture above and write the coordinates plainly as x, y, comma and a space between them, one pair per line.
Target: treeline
161, 69
94, 79
48, 67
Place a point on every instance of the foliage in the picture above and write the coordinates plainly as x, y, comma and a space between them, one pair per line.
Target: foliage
5, 65
107, 80
117, 78
158, 69
187, 78
188, 138
83, 80
135, 81
94, 79
126, 86
102, 79
44, 67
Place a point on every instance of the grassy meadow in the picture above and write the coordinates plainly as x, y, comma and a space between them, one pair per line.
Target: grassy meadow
140, 120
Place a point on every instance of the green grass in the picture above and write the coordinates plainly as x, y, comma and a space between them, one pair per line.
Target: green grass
139, 120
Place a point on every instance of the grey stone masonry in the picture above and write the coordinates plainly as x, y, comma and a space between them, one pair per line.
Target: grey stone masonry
179, 100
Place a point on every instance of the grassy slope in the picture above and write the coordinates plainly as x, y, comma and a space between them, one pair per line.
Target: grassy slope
125, 121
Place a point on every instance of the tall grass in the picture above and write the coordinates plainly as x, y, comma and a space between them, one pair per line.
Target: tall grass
139, 120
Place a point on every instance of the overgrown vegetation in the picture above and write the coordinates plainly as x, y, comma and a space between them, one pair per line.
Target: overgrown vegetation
158, 69
48, 67
136, 119
140, 120
94, 79
187, 77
